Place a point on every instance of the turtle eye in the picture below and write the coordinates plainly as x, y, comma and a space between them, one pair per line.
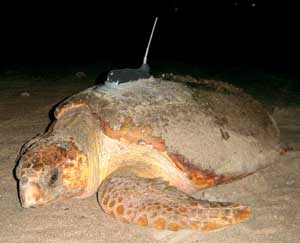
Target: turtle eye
54, 177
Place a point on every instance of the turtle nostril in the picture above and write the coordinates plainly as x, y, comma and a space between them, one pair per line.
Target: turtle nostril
23, 180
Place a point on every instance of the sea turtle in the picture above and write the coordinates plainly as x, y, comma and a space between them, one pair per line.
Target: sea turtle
146, 146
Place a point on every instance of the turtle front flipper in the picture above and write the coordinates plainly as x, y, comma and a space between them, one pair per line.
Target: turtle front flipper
151, 202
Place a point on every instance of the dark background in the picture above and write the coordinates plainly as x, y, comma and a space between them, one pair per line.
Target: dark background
228, 32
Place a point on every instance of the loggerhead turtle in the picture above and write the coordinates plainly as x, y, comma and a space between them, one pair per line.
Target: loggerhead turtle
146, 146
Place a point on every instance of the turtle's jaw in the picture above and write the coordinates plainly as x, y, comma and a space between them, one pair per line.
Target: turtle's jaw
32, 197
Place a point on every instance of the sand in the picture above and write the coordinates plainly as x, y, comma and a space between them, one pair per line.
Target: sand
273, 193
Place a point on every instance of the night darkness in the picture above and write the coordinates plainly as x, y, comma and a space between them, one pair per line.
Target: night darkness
201, 32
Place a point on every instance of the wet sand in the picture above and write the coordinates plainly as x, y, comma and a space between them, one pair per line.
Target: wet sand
273, 193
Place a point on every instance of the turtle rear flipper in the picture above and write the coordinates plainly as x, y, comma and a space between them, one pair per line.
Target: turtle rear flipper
151, 202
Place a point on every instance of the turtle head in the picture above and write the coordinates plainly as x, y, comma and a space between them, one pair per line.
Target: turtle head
49, 172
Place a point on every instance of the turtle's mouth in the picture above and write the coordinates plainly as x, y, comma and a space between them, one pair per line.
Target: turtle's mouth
33, 197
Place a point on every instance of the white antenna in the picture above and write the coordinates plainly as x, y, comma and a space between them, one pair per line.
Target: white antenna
146, 54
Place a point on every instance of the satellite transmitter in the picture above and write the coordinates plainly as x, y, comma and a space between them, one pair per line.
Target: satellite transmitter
119, 76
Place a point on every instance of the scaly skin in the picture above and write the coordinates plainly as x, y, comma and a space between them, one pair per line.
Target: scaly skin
151, 202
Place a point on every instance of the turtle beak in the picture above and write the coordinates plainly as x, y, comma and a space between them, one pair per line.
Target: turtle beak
31, 196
